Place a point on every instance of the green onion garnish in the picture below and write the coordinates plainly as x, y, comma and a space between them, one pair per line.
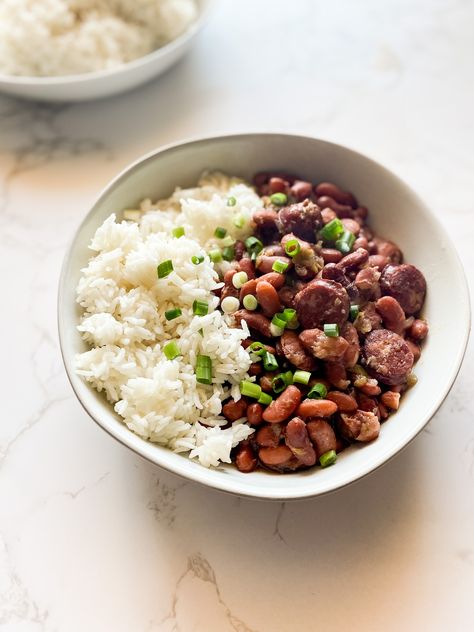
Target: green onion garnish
250, 302
292, 247
333, 230
280, 266
278, 199
164, 268
250, 389
288, 314
265, 399
230, 304
319, 391
200, 308
239, 279
354, 312
301, 377
331, 330
345, 243
228, 253
178, 231
171, 314
279, 321
231, 201
257, 347
239, 221
220, 232
215, 255
171, 350
197, 259
269, 361
204, 369
281, 381
228, 241
253, 245
275, 330
328, 458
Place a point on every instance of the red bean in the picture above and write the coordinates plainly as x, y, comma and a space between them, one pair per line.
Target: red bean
415, 349
342, 210
379, 262
331, 255
322, 436
233, 410
265, 263
336, 374
246, 265
274, 278
250, 287
361, 242
333, 191
255, 368
351, 355
295, 353
287, 296
254, 414
345, 403
282, 407
351, 225
353, 260
327, 215
296, 438
268, 298
277, 185
301, 190
265, 222
316, 408
419, 329
254, 320
269, 435
392, 314
245, 458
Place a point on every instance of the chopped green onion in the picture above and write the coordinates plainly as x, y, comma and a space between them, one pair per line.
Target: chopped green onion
288, 314
333, 230
239, 221
171, 350
279, 321
231, 201
281, 381
200, 308
278, 199
280, 266
250, 389
215, 255
293, 323
265, 399
253, 245
292, 247
354, 312
319, 391
250, 302
220, 232
345, 243
230, 304
228, 253
301, 377
197, 259
178, 231
275, 330
228, 241
328, 458
257, 347
331, 330
269, 361
239, 279
171, 314
204, 369
164, 268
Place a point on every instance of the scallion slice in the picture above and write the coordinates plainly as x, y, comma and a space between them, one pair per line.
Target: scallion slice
178, 231
269, 361
239, 221
200, 308
301, 377
204, 369
171, 350
215, 255
275, 330
281, 381
197, 259
164, 268
220, 232
331, 330
292, 247
280, 266
230, 304
257, 347
288, 314
333, 230
228, 253
319, 391
279, 321
250, 302
171, 314
265, 399
228, 241
278, 199
239, 279
354, 312
250, 389
231, 201
328, 458
253, 245
345, 242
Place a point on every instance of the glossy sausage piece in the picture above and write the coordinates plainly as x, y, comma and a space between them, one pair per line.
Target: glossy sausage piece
302, 219
387, 356
406, 284
320, 302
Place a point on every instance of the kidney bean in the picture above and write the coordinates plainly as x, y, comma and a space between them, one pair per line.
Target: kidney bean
387, 356
280, 458
383, 413
378, 261
239, 249
277, 185
327, 215
322, 436
390, 399
303, 219
392, 314
353, 260
316, 408
233, 410
331, 272
331, 255
265, 263
367, 280
274, 278
336, 375
282, 407
324, 347
351, 225
322, 301
266, 382
250, 287
351, 355
269, 435
254, 414
359, 426
361, 242
247, 266
415, 349
245, 458
296, 438
301, 190
419, 329
265, 222
228, 290
318, 380
295, 353
287, 296
345, 403
342, 210
254, 320
255, 368
368, 404
268, 298
333, 191
273, 250
388, 249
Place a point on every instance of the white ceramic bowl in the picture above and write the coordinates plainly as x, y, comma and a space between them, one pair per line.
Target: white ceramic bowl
395, 212
105, 83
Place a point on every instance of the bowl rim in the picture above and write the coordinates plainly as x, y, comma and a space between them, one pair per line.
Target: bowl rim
134, 64
221, 483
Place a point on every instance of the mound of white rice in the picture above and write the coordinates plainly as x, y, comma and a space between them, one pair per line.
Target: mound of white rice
124, 325
66, 37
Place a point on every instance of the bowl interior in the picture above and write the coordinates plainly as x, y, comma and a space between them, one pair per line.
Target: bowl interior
395, 212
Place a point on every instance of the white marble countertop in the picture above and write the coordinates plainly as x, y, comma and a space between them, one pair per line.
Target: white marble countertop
92, 538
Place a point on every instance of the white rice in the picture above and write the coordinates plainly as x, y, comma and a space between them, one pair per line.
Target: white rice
123, 321
66, 37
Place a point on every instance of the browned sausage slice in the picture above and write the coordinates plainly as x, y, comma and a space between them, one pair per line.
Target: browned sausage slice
303, 219
324, 347
295, 353
405, 283
321, 302
387, 356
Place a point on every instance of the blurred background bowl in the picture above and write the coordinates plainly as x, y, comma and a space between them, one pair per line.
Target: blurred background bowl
396, 212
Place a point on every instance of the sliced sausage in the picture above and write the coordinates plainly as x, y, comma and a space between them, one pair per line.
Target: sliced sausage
287, 295
282, 407
322, 436
324, 347
405, 283
303, 219
322, 301
297, 439
336, 375
387, 356
359, 426
368, 319
295, 353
